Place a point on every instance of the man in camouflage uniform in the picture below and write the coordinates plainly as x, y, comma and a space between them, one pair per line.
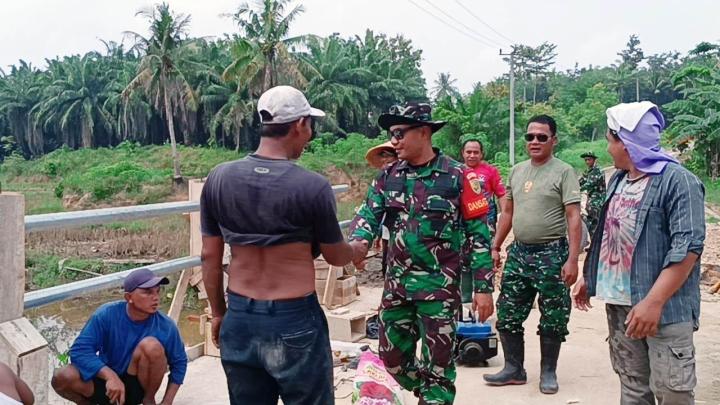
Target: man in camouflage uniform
419, 195
541, 261
593, 183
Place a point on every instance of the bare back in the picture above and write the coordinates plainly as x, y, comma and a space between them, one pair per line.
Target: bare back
272, 272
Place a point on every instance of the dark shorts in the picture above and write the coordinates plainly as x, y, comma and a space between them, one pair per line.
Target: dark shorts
134, 392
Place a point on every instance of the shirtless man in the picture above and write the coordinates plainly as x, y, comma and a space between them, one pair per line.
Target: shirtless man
276, 217
13, 390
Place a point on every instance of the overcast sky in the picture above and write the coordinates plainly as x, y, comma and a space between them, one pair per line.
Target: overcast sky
588, 32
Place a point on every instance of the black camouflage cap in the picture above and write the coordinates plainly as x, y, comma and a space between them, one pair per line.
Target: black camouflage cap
410, 113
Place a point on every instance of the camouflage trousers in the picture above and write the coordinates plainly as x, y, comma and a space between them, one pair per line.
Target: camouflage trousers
402, 324
593, 216
533, 270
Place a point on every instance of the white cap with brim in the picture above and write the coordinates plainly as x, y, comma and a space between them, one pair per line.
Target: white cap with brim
285, 104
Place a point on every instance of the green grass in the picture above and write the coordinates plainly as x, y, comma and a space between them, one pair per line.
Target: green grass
129, 172
39, 196
712, 191
143, 174
44, 271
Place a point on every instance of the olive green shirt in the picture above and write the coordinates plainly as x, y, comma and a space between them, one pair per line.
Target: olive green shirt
539, 195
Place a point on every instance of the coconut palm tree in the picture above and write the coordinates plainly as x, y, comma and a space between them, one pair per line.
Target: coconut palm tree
233, 114
159, 76
445, 87
262, 57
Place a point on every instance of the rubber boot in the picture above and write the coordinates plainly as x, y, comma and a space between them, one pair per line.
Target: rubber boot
549, 350
514, 352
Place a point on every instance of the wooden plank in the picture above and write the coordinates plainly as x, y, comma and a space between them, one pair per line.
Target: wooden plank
194, 190
347, 327
195, 352
26, 351
329, 288
179, 297
19, 337
130, 261
196, 277
210, 348
714, 289
33, 368
202, 294
12, 256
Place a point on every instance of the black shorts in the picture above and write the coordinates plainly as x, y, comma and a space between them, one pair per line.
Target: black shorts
134, 392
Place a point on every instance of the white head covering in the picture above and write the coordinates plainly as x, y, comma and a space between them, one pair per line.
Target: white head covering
627, 115
639, 126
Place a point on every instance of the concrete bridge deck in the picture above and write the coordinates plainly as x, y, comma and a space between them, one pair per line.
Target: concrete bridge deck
584, 369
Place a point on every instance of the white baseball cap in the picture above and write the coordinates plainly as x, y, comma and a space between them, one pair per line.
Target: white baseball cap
285, 104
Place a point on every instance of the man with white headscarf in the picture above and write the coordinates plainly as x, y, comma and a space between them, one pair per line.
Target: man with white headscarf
644, 261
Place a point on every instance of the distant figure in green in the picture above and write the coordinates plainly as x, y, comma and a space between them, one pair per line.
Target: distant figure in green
592, 182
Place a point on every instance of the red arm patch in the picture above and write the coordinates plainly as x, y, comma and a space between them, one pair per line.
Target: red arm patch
473, 201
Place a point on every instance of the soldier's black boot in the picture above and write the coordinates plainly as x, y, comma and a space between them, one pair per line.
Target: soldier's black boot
514, 352
550, 351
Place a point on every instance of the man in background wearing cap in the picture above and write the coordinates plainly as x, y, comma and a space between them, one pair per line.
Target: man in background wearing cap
644, 261
541, 260
124, 350
276, 217
419, 196
593, 183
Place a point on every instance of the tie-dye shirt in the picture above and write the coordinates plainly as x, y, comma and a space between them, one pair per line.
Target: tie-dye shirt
618, 242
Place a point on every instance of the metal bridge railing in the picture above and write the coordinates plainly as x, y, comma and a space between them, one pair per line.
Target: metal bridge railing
34, 223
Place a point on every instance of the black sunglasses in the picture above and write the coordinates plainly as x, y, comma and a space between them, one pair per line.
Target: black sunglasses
399, 133
542, 138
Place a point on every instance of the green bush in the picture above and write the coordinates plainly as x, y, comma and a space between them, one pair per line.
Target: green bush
345, 154
104, 181
14, 165
712, 190
104, 172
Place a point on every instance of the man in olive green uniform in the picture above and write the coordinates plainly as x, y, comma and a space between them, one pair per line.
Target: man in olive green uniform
420, 198
593, 183
540, 261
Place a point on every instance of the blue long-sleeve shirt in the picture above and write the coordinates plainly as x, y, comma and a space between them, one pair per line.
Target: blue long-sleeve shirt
109, 339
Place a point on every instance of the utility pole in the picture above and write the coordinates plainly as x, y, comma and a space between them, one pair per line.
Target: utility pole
512, 105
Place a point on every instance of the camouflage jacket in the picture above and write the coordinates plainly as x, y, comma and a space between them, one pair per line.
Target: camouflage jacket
421, 207
593, 183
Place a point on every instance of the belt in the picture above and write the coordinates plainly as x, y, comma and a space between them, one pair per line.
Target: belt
536, 247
